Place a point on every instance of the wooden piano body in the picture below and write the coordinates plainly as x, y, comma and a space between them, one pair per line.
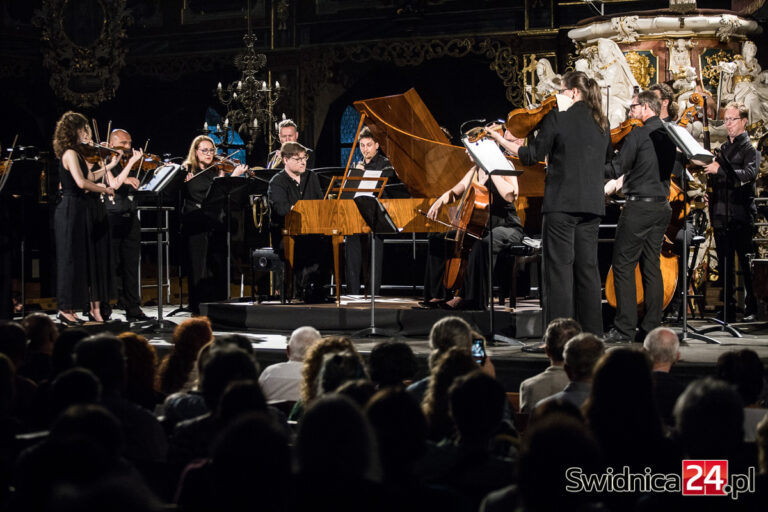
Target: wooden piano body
424, 160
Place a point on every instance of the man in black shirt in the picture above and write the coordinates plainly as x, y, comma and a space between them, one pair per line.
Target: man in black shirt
732, 203
374, 164
645, 161
285, 189
126, 236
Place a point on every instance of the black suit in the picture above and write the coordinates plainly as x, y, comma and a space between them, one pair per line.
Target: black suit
646, 160
574, 203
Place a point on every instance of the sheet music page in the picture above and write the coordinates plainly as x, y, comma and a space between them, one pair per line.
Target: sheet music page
687, 144
487, 155
160, 174
368, 184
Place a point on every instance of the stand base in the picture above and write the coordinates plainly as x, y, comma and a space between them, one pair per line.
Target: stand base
372, 332
721, 327
500, 340
154, 326
180, 309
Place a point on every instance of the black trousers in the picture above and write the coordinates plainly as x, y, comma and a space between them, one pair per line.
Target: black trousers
474, 288
126, 250
354, 263
570, 276
639, 236
734, 240
206, 245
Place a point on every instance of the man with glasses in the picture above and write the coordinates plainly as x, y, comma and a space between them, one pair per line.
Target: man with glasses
645, 160
285, 189
732, 208
287, 131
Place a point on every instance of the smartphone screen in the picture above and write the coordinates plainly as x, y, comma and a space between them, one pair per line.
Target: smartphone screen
478, 351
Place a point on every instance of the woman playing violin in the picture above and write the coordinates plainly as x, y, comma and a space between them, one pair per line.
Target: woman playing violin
507, 228
202, 229
72, 241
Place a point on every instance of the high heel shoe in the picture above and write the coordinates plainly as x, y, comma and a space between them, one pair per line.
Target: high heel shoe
92, 319
67, 322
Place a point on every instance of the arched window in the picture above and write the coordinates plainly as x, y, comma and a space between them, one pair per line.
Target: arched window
348, 127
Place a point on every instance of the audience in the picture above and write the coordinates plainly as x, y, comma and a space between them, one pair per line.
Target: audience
13, 343
452, 364
744, 370
141, 360
663, 347
177, 371
392, 363
581, 353
281, 382
553, 379
42, 334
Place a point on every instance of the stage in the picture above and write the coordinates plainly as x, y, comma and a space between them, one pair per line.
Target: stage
268, 325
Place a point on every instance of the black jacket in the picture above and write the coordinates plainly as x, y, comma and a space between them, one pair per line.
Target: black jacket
734, 184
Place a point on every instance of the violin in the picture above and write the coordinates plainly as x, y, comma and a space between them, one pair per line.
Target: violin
690, 113
621, 131
522, 121
148, 162
94, 153
485, 132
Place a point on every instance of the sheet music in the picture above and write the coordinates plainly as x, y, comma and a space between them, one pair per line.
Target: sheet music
487, 155
368, 184
160, 176
687, 144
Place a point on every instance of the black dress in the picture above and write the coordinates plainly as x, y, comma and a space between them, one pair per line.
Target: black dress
71, 242
100, 280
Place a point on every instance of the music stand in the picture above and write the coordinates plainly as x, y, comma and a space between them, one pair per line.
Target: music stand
233, 190
23, 181
487, 155
167, 179
376, 216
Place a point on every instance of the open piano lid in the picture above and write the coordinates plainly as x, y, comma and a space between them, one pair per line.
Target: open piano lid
423, 157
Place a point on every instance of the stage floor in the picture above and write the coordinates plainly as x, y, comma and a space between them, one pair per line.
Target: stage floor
269, 324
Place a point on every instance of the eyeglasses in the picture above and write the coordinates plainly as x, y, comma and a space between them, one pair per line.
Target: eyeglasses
633, 105
207, 151
731, 119
299, 158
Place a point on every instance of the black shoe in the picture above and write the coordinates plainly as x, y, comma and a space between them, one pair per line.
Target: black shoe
431, 304
92, 319
138, 317
614, 336
67, 322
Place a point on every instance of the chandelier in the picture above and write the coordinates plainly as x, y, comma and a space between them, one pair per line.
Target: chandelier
250, 100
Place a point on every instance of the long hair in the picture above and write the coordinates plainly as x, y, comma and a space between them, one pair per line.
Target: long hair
590, 94
65, 136
191, 162
313, 362
188, 338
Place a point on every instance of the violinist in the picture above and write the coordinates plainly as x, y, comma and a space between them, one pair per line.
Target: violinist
287, 187
126, 231
576, 144
72, 240
646, 160
507, 229
732, 208
202, 227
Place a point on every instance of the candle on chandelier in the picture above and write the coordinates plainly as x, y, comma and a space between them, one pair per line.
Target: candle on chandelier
234, 96
239, 85
263, 86
277, 84
218, 87
226, 122
255, 123
205, 126
218, 127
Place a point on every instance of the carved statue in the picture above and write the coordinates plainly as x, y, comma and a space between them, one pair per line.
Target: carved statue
547, 80
613, 72
679, 56
741, 83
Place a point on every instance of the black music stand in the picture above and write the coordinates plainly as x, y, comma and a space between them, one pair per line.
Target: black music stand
167, 180
375, 215
493, 166
233, 190
22, 182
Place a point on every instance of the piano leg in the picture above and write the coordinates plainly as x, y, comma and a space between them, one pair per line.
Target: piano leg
336, 241
288, 248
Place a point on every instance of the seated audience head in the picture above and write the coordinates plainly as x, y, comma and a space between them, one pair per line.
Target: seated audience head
555, 406
334, 441
103, 355
744, 370
313, 362
581, 353
359, 390
13, 342
188, 338
449, 331
551, 446
90, 425
709, 418
237, 340
225, 365
391, 363
63, 356
41, 332
141, 361
762, 444
452, 364
477, 407
400, 428
338, 368
300, 341
75, 386
7, 385
558, 332
241, 397
662, 346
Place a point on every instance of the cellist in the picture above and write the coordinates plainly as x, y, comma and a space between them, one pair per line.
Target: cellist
506, 226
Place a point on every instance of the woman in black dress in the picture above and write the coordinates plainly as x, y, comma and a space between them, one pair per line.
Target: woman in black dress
70, 216
202, 228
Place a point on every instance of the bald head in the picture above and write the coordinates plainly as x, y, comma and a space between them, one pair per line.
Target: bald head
663, 346
120, 139
301, 339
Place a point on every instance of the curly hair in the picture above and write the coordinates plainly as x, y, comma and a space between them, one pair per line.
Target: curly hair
313, 362
188, 338
65, 136
457, 361
140, 359
191, 160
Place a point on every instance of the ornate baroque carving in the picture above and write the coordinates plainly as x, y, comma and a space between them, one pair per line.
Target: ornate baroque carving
83, 47
626, 28
641, 68
729, 24
710, 69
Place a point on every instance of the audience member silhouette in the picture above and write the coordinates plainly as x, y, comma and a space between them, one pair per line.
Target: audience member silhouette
359, 390
13, 343
391, 363
581, 353
177, 370
42, 334
744, 370
76, 386
281, 382
453, 363
141, 360
338, 368
663, 347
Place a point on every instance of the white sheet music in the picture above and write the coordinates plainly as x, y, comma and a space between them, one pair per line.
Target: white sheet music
487, 155
368, 184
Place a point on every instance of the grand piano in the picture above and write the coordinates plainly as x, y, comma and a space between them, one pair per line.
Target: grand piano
424, 160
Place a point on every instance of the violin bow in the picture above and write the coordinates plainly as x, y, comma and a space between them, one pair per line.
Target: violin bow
101, 158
